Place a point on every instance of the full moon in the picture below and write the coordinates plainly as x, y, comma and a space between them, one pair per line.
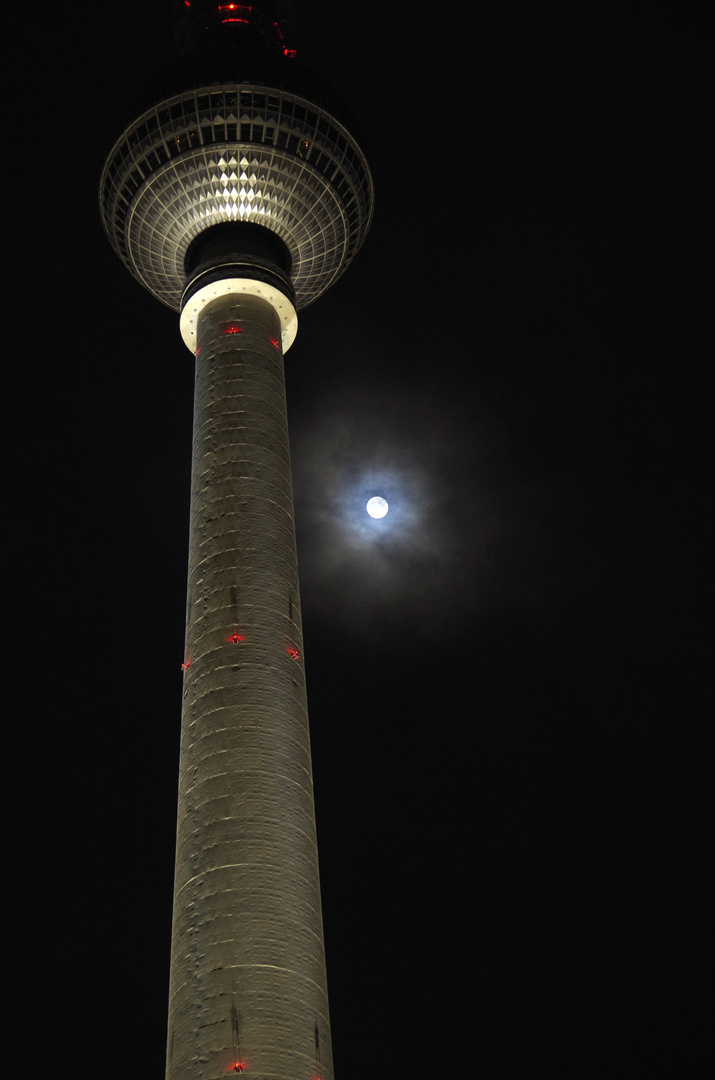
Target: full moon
377, 506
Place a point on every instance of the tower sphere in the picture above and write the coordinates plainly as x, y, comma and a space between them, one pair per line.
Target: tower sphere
236, 135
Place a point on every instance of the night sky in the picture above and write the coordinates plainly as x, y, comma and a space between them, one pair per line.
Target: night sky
484, 666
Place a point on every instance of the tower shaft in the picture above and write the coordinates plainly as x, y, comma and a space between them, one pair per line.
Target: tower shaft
248, 983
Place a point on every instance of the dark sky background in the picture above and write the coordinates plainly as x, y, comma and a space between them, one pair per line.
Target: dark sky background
485, 666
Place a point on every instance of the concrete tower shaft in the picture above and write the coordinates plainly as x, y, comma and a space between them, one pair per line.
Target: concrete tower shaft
248, 984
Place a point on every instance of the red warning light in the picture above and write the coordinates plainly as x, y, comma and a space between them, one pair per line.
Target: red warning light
238, 1066
234, 639
233, 329
293, 652
274, 342
186, 663
243, 9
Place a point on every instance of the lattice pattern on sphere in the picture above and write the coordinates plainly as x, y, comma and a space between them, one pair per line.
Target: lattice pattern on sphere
236, 152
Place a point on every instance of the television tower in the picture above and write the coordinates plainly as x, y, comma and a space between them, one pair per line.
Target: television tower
237, 196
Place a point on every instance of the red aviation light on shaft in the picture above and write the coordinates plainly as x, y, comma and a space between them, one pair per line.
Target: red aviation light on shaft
233, 329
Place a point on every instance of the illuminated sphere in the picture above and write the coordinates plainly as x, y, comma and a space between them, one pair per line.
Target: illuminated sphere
377, 506
234, 152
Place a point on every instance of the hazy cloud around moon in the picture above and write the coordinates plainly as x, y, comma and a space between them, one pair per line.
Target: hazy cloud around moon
458, 505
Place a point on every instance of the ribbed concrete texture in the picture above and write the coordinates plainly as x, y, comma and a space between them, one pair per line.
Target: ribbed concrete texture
248, 980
